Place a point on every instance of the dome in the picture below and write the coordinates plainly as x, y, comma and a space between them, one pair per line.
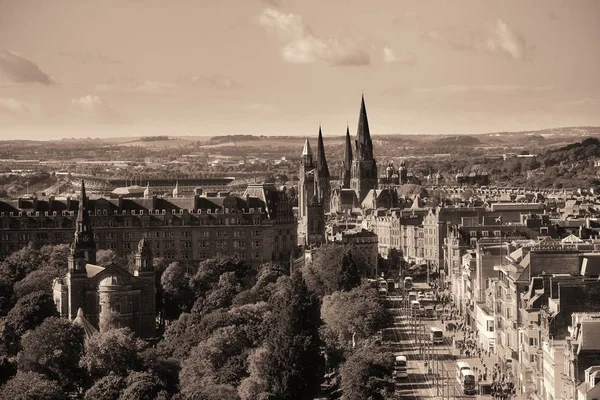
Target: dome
113, 280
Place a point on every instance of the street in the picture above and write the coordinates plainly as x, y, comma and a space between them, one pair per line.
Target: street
432, 369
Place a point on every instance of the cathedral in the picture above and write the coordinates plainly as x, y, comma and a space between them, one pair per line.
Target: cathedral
109, 295
358, 176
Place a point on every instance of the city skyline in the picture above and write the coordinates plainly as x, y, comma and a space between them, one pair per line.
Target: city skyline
281, 67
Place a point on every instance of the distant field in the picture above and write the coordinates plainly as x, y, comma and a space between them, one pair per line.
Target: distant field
275, 142
161, 144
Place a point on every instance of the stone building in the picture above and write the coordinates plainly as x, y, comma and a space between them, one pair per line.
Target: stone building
258, 226
107, 295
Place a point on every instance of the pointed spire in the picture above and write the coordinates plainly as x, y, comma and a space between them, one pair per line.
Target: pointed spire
364, 145
307, 151
348, 153
322, 167
83, 216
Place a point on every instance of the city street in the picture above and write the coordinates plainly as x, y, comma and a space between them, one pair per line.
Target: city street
431, 368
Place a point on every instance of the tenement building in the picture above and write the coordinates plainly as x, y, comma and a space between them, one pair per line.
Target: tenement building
258, 226
109, 295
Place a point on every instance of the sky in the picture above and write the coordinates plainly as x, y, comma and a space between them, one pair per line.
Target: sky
89, 68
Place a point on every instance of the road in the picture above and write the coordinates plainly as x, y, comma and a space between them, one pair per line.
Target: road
431, 369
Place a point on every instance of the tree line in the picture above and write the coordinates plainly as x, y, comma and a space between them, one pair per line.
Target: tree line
231, 331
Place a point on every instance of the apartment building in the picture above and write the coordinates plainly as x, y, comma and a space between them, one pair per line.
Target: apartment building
258, 226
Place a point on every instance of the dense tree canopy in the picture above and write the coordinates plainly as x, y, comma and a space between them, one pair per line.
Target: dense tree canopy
54, 349
31, 386
367, 374
112, 351
334, 267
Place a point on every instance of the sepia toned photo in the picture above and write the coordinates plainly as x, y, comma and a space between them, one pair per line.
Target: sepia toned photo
299, 199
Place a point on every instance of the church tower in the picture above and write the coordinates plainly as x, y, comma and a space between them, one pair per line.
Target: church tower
82, 252
307, 179
322, 177
144, 271
346, 172
364, 167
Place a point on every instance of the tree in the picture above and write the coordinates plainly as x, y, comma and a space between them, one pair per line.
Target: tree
31, 386
333, 268
106, 388
7, 369
114, 350
29, 312
55, 257
165, 369
293, 358
177, 295
255, 386
36, 281
106, 257
142, 386
21, 262
220, 359
54, 349
367, 374
360, 312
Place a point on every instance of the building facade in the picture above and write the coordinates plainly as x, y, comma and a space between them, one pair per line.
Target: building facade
259, 226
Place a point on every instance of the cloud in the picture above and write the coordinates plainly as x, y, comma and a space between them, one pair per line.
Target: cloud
211, 82
390, 57
300, 46
151, 87
14, 106
14, 68
455, 89
88, 57
93, 109
496, 38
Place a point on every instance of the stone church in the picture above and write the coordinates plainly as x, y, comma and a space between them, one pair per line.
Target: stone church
358, 177
107, 295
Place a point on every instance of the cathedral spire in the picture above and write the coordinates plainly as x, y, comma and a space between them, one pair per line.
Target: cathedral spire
364, 145
322, 167
83, 215
348, 152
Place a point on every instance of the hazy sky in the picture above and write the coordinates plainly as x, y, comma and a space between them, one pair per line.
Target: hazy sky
210, 67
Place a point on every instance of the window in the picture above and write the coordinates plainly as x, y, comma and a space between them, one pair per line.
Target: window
169, 245
256, 233
238, 234
203, 234
168, 235
473, 242
473, 234
186, 245
221, 234
533, 341
205, 244
126, 235
485, 233
256, 243
186, 234
239, 244
532, 358
490, 326
221, 244
127, 245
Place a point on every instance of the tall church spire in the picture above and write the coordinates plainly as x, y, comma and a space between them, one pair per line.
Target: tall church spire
322, 167
348, 152
83, 216
347, 161
364, 145
83, 247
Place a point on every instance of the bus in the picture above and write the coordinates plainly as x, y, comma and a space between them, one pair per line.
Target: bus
400, 367
465, 377
415, 307
412, 296
408, 283
429, 312
437, 335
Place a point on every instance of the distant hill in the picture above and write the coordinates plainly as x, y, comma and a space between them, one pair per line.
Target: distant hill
586, 150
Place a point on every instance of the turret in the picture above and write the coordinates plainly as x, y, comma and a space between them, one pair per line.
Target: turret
364, 145
143, 258
322, 168
307, 154
322, 177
